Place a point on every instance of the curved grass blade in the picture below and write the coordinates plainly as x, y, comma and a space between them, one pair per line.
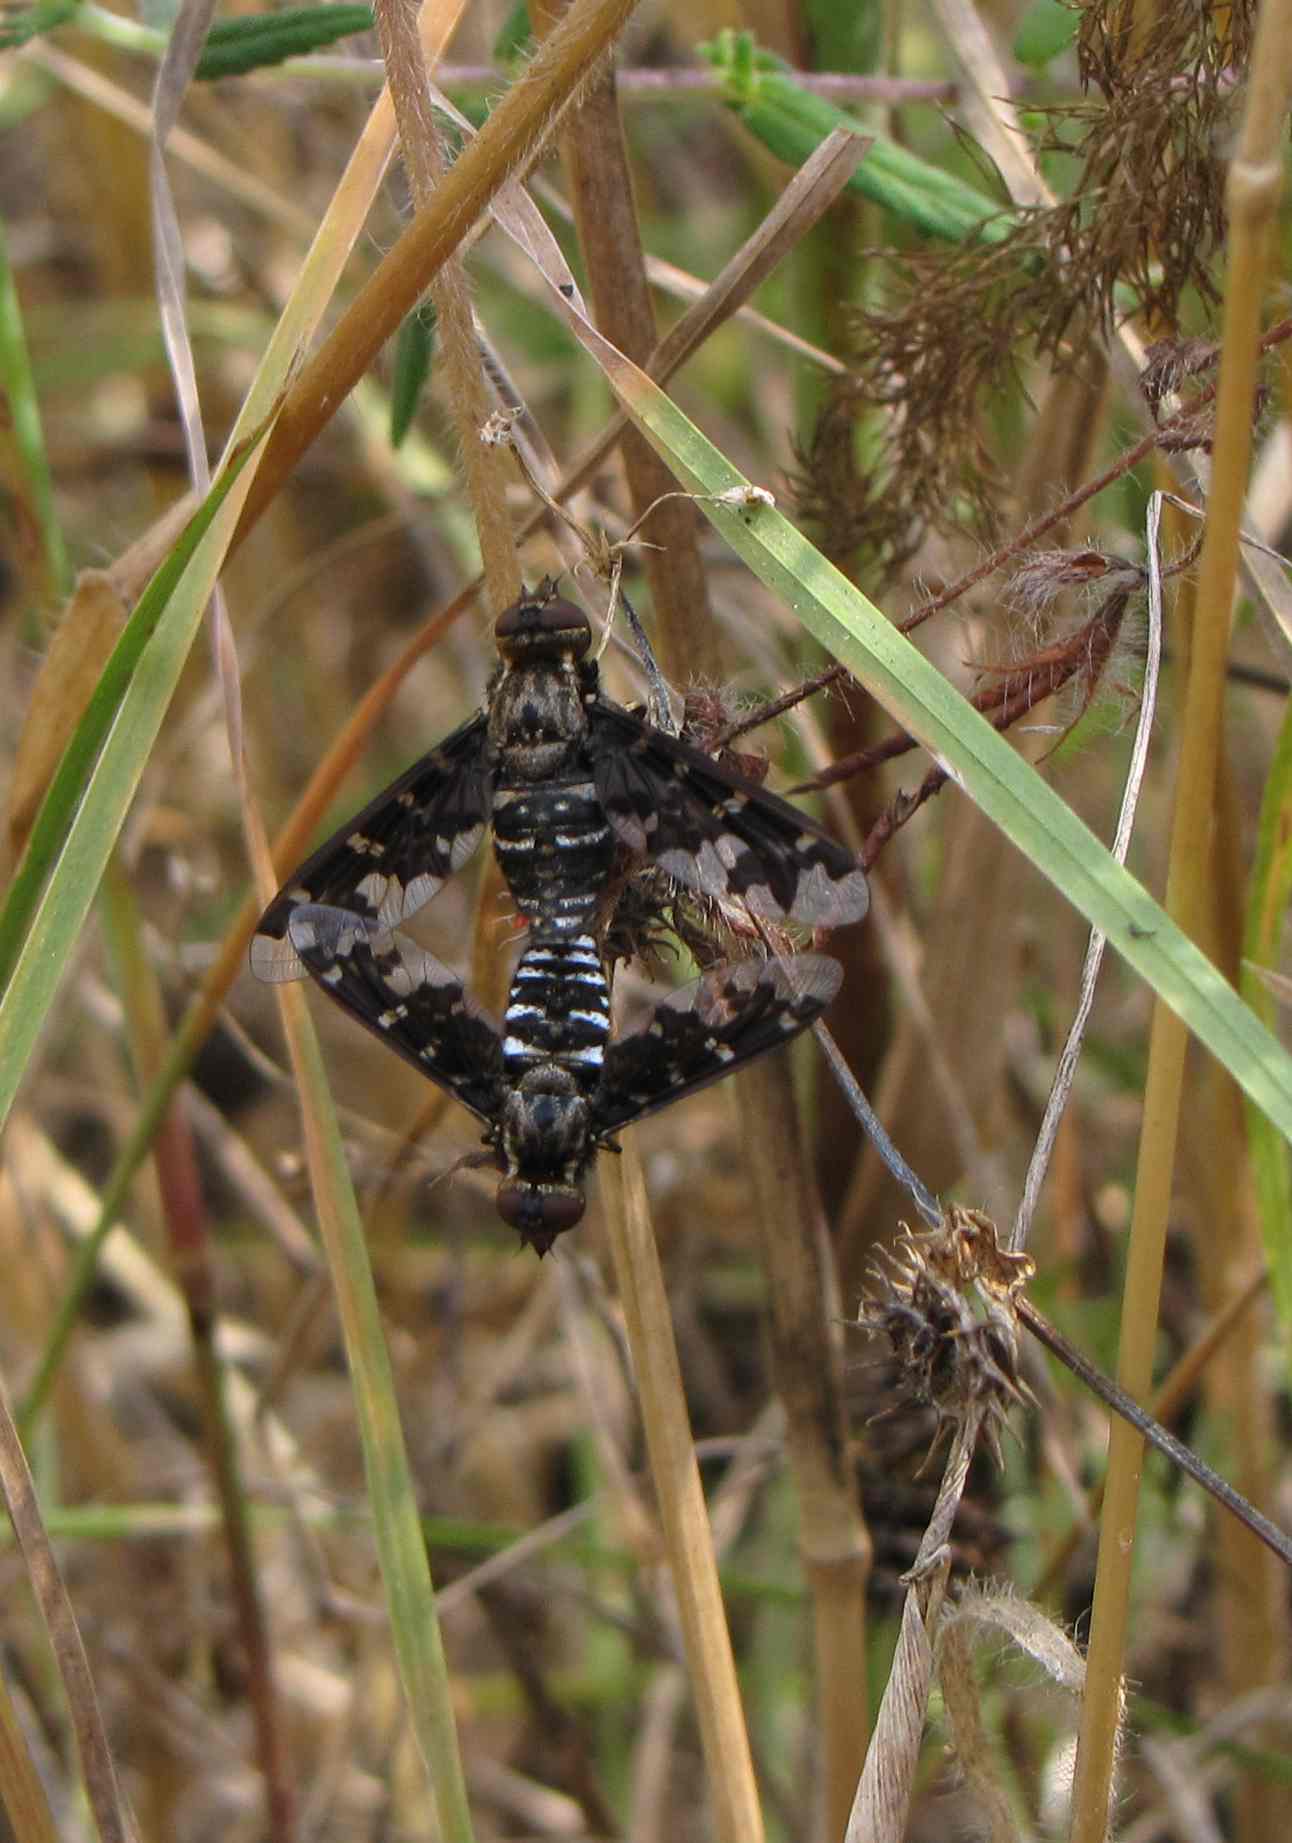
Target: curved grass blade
1012, 794
59, 805
87, 802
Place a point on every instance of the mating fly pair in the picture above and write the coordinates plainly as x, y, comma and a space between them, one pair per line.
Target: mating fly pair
571, 784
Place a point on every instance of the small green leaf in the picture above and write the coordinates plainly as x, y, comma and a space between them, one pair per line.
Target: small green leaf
234, 46
1046, 30
44, 17
414, 349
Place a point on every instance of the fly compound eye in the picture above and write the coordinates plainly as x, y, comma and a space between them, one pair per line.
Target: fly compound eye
545, 628
538, 1212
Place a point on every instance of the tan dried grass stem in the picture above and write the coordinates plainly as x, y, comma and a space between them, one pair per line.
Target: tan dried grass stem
605, 212
1255, 182
50, 1593
710, 1665
425, 163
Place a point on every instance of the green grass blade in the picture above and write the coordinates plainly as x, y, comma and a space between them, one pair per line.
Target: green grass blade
1007, 789
24, 416
43, 926
401, 1546
65, 790
1271, 888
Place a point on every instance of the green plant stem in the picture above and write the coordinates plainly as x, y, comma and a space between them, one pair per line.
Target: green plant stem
24, 411
405, 1569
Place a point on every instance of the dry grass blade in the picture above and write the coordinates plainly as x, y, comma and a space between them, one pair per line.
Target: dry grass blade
101, 1787
406, 1573
711, 1667
425, 162
21, 1791
804, 1315
882, 1804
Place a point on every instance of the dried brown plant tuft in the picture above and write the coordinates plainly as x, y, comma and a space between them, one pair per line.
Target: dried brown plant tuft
1148, 208
1140, 228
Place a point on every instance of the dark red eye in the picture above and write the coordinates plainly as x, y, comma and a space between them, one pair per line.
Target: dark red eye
539, 1213
543, 626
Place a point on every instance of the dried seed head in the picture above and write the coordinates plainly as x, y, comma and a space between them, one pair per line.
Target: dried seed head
945, 1302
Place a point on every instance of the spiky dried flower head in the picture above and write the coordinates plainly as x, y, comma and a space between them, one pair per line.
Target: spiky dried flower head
945, 1300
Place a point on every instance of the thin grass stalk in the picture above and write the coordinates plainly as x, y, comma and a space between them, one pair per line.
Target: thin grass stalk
688, 1537
1255, 183
97, 1769
605, 213
805, 1322
1251, 1621
401, 1546
484, 466
29, 439
204, 1010
192, 1263
1269, 892
882, 1804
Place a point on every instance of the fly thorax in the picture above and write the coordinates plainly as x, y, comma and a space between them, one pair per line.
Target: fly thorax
538, 720
546, 1128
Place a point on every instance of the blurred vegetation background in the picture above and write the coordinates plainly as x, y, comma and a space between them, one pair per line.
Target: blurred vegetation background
934, 368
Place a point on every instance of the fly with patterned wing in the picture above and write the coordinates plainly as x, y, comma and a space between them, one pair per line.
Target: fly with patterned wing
550, 1087
571, 783
565, 776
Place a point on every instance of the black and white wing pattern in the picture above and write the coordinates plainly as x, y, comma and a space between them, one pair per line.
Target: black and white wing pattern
407, 997
715, 831
390, 859
548, 1112
708, 1029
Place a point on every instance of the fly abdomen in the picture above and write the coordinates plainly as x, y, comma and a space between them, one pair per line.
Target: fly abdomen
555, 849
558, 1009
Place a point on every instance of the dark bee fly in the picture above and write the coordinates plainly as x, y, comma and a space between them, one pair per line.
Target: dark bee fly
567, 780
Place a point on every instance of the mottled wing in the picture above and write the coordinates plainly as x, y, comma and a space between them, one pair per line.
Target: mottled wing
717, 832
408, 998
390, 859
705, 1030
